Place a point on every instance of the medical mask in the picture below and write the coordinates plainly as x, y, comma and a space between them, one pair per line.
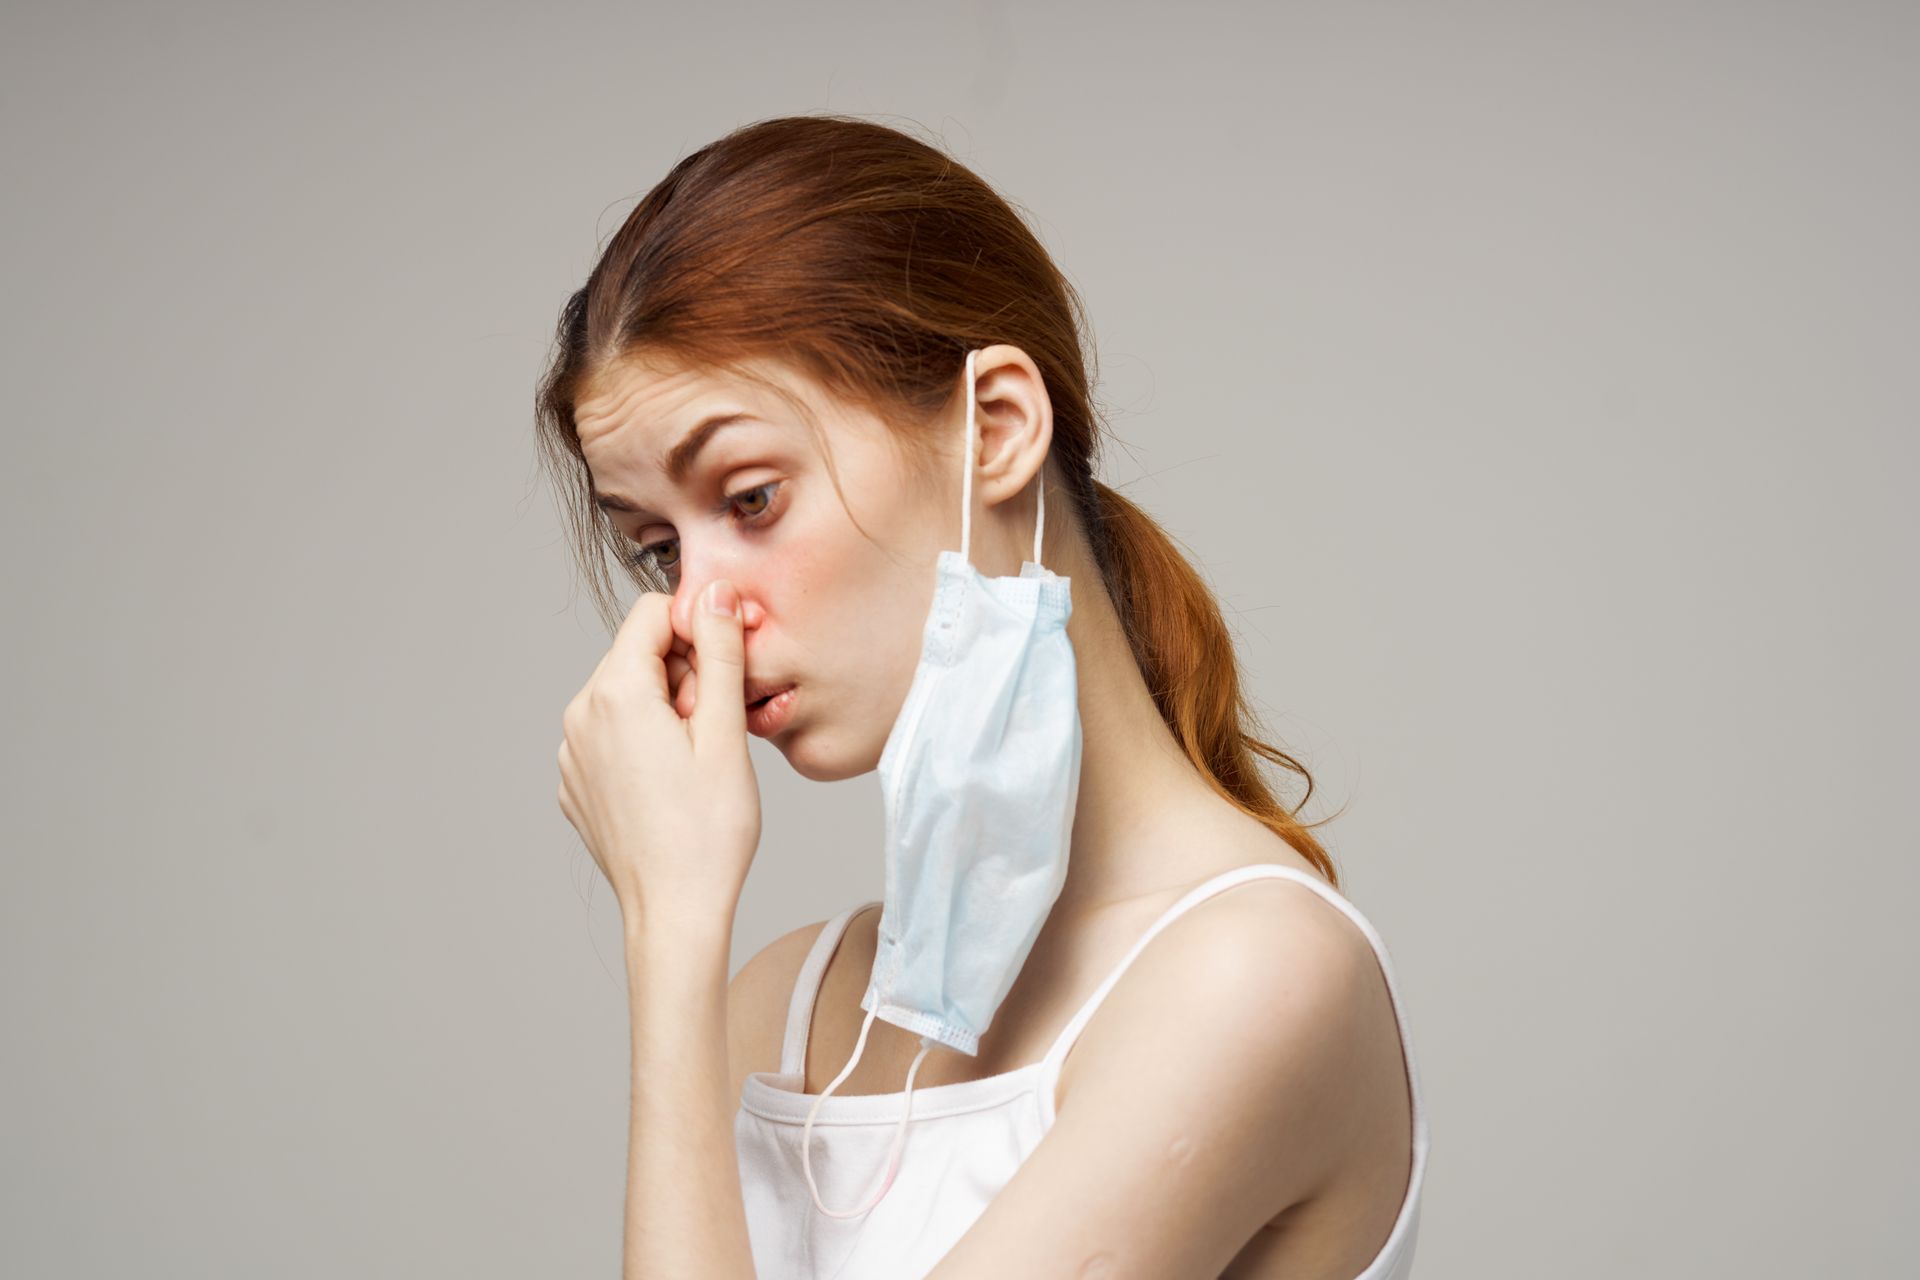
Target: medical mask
979, 777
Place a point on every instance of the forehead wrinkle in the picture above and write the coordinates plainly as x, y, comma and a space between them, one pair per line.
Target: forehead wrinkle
593, 425
597, 426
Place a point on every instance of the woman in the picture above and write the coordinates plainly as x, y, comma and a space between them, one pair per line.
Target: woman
824, 396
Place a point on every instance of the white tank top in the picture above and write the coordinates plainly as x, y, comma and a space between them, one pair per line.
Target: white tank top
965, 1140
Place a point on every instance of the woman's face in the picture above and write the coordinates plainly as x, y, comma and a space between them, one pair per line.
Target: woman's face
835, 614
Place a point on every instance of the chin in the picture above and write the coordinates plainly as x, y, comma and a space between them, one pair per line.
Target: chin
819, 758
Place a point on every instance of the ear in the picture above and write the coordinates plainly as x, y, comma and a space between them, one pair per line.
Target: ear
1013, 422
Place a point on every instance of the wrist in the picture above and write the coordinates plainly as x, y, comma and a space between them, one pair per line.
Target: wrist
683, 932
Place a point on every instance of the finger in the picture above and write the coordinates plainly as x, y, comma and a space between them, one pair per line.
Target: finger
606, 655
687, 696
640, 645
720, 712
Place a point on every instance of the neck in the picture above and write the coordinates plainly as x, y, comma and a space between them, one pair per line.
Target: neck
1146, 820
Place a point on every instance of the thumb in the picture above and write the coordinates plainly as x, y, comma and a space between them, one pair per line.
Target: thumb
719, 711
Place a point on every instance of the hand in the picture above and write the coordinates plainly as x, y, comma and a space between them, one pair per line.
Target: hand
666, 800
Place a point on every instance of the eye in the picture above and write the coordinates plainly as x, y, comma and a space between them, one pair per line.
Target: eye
649, 556
664, 556
763, 489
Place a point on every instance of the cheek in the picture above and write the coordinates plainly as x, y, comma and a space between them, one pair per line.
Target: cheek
837, 603
820, 566
795, 585
838, 597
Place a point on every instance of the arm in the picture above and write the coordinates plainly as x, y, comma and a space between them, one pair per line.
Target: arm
668, 805
660, 1191
684, 1215
1222, 1082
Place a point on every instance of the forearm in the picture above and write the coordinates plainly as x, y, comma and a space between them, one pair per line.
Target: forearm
685, 1215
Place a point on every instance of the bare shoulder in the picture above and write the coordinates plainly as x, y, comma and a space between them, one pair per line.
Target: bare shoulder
1268, 946
1275, 997
757, 1000
1236, 1112
1307, 952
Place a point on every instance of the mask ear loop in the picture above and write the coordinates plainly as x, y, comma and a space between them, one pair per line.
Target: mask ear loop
966, 468
899, 1134
1040, 519
966, 482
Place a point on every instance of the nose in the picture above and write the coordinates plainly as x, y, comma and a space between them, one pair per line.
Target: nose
693, 585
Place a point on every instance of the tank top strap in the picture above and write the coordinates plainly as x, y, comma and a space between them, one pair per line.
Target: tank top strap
1057, 1052
806, 989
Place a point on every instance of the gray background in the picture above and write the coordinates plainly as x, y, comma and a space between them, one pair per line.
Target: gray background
1534, 381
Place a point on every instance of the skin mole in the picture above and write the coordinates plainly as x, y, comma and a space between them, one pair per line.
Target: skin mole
1100, 1266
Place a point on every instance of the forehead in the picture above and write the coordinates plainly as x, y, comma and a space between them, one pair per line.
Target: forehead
630, 417
644, 403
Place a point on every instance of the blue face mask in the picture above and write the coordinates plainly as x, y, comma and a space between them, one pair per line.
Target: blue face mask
979, 775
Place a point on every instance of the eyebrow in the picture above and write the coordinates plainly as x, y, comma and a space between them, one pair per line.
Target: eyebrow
678, 461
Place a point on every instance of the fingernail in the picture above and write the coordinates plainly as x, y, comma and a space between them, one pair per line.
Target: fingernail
722, 598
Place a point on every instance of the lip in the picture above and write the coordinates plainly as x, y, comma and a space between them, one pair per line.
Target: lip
754, 690
769, 718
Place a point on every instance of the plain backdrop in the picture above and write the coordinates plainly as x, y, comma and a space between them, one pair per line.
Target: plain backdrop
1534, 382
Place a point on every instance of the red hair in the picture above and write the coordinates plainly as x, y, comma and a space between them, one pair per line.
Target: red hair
873, 261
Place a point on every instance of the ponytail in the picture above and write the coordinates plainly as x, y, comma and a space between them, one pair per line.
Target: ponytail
1181, 643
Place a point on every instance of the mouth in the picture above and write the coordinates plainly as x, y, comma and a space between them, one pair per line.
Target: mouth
759, 694
769, 712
